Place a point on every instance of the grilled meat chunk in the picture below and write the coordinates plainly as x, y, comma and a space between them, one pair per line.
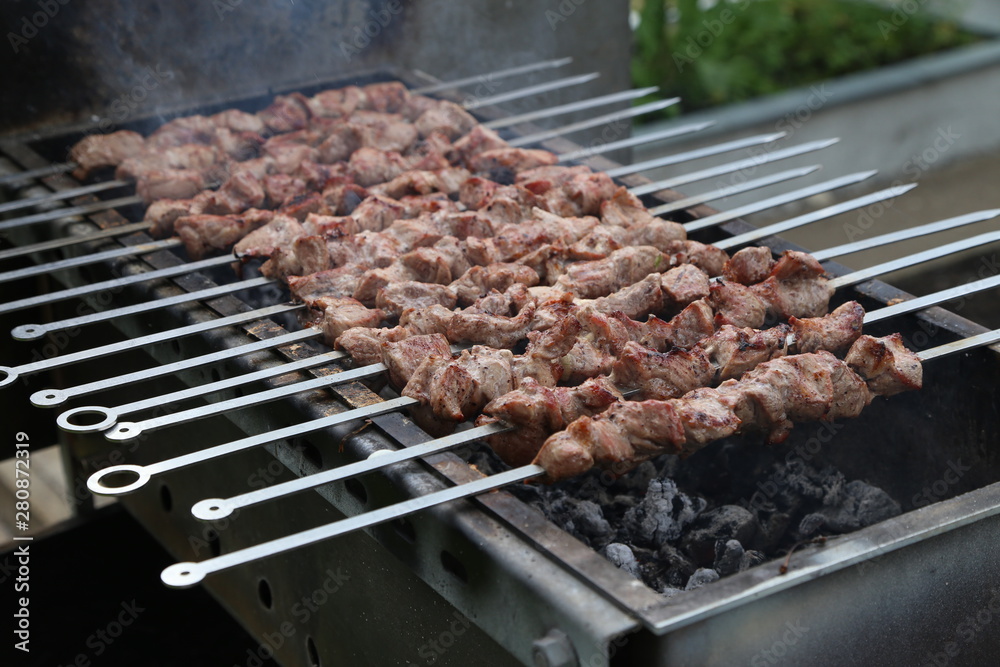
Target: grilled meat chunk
395, 298
104, 150
885, 364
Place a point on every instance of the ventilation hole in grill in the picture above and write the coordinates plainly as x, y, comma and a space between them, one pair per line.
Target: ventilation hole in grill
264, 593
356, 489
214, 544
405, 529
311, 453
215, 375
312, 652
175, 345
451, 564
166, 499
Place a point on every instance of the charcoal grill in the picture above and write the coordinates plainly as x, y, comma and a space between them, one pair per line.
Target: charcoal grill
491, 580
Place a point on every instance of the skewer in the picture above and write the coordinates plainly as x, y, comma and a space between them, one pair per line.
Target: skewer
61, 194
112, 232
777, 200
217, 508
58, 213
490, 76
737, 165
185, 574
48, 170
92, 258
571, 107
9, 375
528, 91
36, 331
729, 190
637, 140
631, 112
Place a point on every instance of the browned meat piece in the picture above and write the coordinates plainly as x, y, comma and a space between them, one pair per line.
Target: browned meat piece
749, 265
511, 205
164, 212
599, 243
495, 331
238, 145
395, 298
405, 356
886, 364
331, 227
665, 235
365, 344
191, 156
345, 313
289, 156
624, 209
280, 232
238, 121
795, 297
708, 258
433, 319
387, 97
505, 162
833, 332
478, 139
311, 254
241, 191
737, 305
300, 206
416, 105
376, 213
581, 195
183, 131
457, 389
550, 175
281, 187
320, 176
661, 375
370, 166
633, 301
340, 143
336, 103
203, 234
446, 117
478, 281
315, 288
383, 131
684, 284
344, 196
536, 411
796, 264
623, 267
170, 184
435, 202
684, 329
414, 182
365, 249
512, 241
477, 193
104, 150
734, 351
286, 114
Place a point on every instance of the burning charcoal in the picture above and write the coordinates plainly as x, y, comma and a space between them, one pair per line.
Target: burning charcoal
726, 522
661, 515
751, 559
728, 556
811, 524
861, 505
584, 519
701, 577
622, 557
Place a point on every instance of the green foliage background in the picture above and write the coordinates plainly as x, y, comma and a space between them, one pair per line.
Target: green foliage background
741, 49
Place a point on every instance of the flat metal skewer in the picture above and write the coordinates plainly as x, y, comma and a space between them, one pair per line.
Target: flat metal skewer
48, 170
631, 112
777, 200
36, 331
85, 260
186, 574
729, 190
528, 91
43, 246
628, 142
9, 375
490, 76
18, 204
571, 107
58, 213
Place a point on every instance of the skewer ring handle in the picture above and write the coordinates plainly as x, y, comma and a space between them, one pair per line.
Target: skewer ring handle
27, 332
47, 398
211, 509
97, 486
108, 419
182, 575
9, 376
124, 431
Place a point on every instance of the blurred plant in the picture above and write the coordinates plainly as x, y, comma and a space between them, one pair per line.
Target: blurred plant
712, 53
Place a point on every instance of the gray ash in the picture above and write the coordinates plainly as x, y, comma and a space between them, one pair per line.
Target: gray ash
679, 526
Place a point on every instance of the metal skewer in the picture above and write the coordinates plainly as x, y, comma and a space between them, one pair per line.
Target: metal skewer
49, 170
729, 190
489, 76
9, 375
531, 90
82, 209
220, 508
631, 112
17, 204
560, 109
638, 140
42, 246
185, 574
92, 258
35, 331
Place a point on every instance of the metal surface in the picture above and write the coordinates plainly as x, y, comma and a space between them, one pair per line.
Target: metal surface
59, 213
570, 107
555, 63
746, 186
530, 91
596, 121
607, 147
86, 260
42, 246
29, 202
